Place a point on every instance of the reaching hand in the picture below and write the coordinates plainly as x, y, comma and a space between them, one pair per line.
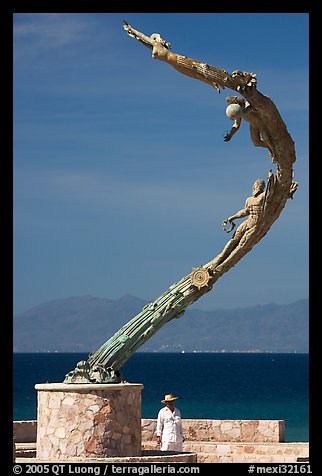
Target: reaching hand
230, 222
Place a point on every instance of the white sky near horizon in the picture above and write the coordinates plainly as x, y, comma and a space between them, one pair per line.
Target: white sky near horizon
121, 175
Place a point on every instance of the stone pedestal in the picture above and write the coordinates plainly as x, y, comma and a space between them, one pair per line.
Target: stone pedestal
88, 420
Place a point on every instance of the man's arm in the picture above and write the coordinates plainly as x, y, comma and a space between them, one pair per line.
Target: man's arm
159, 427
181, 429
233, 130
242, 213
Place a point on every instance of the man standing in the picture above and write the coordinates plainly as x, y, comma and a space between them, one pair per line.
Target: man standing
169, 426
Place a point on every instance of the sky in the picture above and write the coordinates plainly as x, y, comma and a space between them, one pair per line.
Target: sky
121, 176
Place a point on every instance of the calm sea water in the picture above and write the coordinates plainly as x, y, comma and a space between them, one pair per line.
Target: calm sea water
209, 385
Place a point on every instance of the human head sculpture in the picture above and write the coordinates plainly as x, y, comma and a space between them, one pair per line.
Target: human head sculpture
258, 187
160, 46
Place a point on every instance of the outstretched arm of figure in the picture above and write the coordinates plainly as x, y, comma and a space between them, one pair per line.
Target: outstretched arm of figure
233, 130
148, 41
242, 213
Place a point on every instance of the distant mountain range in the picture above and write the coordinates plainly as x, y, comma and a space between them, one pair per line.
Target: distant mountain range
83, 324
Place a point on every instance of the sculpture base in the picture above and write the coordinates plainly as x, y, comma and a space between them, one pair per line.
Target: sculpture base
88, 420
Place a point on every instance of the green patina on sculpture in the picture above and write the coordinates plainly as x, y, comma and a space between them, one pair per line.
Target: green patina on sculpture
267, 130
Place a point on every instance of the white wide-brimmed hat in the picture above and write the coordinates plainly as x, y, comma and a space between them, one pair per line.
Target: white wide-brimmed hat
168, 398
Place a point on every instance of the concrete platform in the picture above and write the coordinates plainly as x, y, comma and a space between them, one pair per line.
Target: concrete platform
147, 456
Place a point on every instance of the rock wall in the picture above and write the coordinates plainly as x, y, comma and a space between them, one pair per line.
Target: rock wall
85, 420
224, 430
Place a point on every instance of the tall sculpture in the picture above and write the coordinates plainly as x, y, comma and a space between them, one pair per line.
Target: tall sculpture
267, 130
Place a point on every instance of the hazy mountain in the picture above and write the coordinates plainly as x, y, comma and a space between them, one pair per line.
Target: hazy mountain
83, 324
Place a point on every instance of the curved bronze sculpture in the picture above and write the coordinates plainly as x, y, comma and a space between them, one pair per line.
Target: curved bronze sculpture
268, 130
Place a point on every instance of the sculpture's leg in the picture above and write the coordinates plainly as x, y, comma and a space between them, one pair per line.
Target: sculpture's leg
242, 248
255, 135
230, 246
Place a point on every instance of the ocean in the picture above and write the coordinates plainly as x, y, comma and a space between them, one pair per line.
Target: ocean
217, 386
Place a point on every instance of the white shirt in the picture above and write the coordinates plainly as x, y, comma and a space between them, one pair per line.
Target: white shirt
169, 427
